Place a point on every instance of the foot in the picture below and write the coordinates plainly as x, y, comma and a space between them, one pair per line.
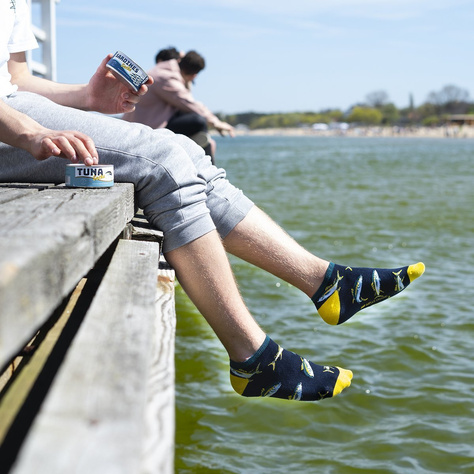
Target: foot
346, 290
275, 372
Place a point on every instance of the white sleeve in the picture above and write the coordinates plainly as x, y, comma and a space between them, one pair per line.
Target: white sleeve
22, 38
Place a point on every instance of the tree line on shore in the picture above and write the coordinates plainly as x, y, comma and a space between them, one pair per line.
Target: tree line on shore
375, 110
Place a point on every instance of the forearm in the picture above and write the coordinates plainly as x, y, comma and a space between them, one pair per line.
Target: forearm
71, 95
16, 128
214, 121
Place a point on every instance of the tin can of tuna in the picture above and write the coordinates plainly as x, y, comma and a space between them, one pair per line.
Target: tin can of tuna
127, 70
97, 176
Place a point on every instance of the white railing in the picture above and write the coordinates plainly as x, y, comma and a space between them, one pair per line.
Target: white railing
43, 62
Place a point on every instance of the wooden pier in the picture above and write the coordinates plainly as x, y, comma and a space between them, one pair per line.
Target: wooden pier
87, 327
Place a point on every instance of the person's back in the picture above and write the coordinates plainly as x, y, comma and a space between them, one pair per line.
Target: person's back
156, 107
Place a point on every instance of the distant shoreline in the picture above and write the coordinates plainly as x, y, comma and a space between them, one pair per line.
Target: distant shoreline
451, 131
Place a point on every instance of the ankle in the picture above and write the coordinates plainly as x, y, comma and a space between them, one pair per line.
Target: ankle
248, 349
315, 277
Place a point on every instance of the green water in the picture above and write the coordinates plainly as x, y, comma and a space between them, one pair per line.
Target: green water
361, 202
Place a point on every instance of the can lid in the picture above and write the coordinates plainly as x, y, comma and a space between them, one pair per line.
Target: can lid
102, 165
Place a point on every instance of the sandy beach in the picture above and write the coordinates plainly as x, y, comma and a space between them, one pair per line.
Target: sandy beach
452, 131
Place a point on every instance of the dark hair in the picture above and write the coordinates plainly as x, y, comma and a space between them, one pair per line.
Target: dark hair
192, 63
167, 54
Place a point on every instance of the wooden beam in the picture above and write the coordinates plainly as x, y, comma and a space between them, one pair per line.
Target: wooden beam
48, 241
158, 446
102, 413
18, 391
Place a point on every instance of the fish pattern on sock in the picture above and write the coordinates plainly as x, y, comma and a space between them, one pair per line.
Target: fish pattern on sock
275, 372
345, 290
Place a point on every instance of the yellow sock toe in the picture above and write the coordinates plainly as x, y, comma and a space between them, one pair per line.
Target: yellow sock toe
343, 381
415, 271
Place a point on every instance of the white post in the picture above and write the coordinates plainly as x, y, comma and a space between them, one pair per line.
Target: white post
45, 33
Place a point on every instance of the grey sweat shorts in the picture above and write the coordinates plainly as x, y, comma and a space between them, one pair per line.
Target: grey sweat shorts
180, 191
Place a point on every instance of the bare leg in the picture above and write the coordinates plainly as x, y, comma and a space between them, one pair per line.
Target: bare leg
203, 271
337, 291
259, 366
257, 239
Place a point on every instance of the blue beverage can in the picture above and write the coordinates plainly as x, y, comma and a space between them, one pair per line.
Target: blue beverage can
128, 71
96, 176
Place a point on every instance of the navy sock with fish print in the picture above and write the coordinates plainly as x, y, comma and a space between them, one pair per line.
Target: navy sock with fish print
275, 372
346, 290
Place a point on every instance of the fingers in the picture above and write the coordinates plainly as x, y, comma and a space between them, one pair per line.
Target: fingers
134, 97
143, 90
131, 98
75, 146
144, 87
49, 149
226, 128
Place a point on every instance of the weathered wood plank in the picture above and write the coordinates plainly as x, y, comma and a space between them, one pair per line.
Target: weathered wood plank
48, 241
93, 206
158, 447
94, 415
140, 229
10, 194
13, 399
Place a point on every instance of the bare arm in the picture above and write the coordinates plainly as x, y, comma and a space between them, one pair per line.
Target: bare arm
104, 93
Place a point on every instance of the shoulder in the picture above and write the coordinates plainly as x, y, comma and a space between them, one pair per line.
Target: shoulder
165, 68
164, 73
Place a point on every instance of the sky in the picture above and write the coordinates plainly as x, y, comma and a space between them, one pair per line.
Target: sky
282, 56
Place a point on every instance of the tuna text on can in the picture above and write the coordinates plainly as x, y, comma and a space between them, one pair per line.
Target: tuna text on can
97, 176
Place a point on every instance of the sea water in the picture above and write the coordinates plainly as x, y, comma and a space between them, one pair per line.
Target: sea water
359, 202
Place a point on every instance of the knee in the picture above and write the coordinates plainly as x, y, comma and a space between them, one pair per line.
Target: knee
195, 124
200, 123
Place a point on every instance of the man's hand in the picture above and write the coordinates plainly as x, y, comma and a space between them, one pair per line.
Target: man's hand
21, 131
75, 146
106, 94
223, 127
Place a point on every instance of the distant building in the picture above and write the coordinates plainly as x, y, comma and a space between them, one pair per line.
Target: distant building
460, 119
320, 127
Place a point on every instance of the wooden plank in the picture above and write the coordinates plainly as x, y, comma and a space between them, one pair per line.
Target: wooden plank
98, 208
94, 415
140, 229
37, 186
10, 194
48, 242
158, 446
12, 401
